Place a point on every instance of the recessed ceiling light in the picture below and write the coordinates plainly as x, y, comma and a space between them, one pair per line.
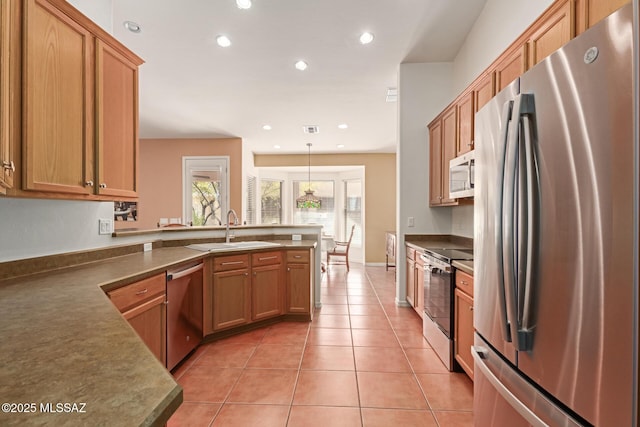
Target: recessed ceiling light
243, 4
366, 38
132, 26
343, 126
340, 145
223, 41
276, 146
301, 65
266, 127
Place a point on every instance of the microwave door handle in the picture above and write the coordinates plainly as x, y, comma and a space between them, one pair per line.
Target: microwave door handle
498, 220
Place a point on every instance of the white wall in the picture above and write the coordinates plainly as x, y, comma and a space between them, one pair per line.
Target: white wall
497, 26
424, 90
99, 11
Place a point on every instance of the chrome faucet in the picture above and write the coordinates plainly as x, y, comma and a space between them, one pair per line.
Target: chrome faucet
235, 221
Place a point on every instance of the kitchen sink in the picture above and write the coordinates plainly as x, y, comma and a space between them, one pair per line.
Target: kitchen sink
212, 247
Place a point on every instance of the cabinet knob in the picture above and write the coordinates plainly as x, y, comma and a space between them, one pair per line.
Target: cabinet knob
246, 274
9, 166
255, 274
103, 185
288, 268
88, 184
470, 308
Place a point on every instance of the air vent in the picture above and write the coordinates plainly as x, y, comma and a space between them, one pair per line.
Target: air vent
311, 129
392, 94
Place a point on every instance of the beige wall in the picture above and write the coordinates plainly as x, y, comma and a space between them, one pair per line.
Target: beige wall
379, 185
160, 180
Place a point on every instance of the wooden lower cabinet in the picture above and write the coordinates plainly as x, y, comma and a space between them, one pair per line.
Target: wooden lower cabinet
267, 285
143, 305
299, 289
231, 299
415, 280
463, 333
411, 282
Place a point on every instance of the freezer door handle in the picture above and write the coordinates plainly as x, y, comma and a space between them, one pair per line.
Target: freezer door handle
479, 354
502, 308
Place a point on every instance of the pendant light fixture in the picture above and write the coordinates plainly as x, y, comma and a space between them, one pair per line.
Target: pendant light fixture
308, 201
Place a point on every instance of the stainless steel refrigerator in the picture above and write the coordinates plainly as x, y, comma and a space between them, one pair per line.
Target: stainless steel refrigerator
555, 248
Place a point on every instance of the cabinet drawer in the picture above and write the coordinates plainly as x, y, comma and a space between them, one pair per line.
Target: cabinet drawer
266, 258
136, 293
297, 256
464, 282
231, 262
411, 253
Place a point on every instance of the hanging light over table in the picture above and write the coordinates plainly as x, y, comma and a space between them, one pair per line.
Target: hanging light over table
308, 201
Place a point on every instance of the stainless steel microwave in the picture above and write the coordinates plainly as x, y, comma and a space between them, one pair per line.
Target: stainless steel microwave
461, 170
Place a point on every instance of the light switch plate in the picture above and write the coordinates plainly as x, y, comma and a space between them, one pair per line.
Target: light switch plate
105, 226
148, 246
296, 237
411, 222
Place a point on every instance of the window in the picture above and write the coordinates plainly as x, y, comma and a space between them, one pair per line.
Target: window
251, 200
353, 210
271, 201
324, 215
205, 191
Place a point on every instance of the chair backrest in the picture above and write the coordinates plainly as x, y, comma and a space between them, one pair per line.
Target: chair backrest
353, 227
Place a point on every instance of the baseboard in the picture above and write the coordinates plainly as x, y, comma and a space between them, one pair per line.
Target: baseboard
402, 303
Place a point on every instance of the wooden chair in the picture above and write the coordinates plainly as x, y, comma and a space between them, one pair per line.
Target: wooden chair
341, 249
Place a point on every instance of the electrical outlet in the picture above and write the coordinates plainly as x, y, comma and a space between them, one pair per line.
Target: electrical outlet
296, 237
105, 226
148, 246
411, 222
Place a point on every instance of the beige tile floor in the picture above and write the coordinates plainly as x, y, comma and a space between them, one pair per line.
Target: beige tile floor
361, 362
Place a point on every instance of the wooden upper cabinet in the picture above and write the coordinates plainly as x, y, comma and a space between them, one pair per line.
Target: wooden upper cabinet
510, 66
449, 143
8, 34
116, 122
590, 12
57, 101
435, 163
552, 31
483, 91
443, 140
466, 112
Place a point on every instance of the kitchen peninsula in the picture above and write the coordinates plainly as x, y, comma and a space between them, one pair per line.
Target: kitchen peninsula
65, 342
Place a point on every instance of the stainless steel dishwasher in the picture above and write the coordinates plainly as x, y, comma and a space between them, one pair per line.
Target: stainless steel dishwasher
184, 311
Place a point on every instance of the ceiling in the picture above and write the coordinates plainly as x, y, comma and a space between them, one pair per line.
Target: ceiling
192, 88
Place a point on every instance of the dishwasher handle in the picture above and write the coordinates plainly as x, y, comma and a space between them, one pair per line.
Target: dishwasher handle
172, 275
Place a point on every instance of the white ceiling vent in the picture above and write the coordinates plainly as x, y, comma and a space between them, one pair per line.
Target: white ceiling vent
311, 129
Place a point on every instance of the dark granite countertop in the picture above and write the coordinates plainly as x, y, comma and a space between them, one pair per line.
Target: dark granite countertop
421, 242
64, 342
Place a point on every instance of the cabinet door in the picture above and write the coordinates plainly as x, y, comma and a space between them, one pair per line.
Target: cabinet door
411, 282
590, 12
483, 91
231, 299
449, 142
149, 320
266, 292
552, 32
463, 336
116, 122
465, 124
435, 163
8, 35
299, 288
419, 278
58, 101
510, 66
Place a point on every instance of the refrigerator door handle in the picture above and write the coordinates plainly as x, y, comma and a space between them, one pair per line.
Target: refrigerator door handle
530, 209
508, 222
479, 354
502, 305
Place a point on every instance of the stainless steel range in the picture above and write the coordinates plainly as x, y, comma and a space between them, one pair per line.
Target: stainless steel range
438, 300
